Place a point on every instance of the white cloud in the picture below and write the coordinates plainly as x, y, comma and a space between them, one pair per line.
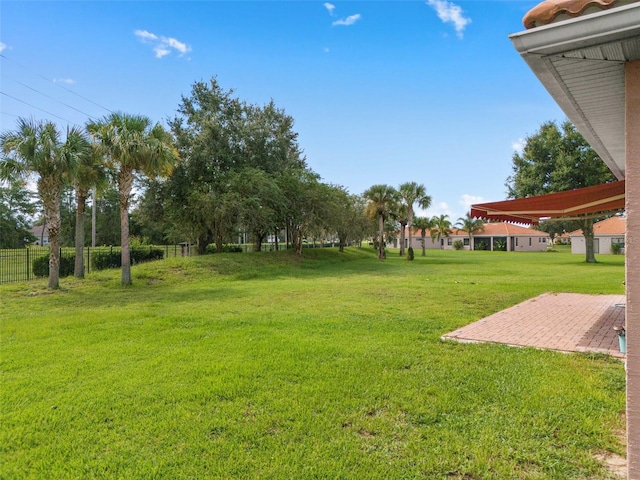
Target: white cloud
3, 47
325, 50
440, 208
330, 8
161, 51
518, 145
144, 35
350, 20
467, 200
162, 46
66, 81
178, 45
449, 12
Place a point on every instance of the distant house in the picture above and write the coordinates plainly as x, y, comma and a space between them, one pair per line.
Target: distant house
494, 236
605, 233
502, 236
41, 233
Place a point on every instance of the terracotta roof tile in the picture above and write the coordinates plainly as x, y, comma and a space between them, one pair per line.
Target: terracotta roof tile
611, 226
550, 10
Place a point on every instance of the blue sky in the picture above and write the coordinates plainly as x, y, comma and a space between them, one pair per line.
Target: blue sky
381, 91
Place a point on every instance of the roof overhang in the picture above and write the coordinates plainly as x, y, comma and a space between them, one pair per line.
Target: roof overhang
581, 63
569, 204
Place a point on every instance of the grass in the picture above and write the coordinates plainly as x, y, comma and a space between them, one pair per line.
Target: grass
331, 366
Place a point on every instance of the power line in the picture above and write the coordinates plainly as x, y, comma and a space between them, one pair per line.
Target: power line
57, 84
37, 108
47, 96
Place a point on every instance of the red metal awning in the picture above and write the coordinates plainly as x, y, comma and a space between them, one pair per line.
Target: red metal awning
588, 200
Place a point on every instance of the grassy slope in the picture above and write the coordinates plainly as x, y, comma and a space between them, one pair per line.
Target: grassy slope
267, 366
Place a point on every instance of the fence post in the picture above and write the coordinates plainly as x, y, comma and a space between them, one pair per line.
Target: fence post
28, 264
88, 260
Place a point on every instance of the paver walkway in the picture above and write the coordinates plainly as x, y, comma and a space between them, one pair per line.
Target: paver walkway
569, 322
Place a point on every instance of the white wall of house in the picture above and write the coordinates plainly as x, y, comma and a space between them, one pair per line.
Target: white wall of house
602, 243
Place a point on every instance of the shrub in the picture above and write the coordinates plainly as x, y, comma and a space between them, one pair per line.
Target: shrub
481, 245
67, 263
500, 245
410, 254
458, 245
616, 248
101, 259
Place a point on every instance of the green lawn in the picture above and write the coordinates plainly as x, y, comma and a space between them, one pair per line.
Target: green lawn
268, 366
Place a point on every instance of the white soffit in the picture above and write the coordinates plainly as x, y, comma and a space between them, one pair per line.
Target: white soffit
581, 63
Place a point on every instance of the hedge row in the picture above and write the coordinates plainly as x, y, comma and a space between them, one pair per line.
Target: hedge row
101, 260
67, 263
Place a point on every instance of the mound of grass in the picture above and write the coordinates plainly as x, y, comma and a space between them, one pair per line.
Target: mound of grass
267, 365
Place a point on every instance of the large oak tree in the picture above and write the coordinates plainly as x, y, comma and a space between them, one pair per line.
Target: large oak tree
555, 159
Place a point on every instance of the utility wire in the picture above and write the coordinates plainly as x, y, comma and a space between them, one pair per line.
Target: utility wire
48, 96
57, 84
37, 108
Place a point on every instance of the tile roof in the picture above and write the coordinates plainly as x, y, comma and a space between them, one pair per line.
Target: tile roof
495, 229
611, 226
550, 10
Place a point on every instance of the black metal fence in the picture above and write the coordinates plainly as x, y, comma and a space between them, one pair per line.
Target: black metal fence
16, 265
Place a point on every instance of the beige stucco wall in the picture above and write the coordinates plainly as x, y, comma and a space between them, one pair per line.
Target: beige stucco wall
632, 176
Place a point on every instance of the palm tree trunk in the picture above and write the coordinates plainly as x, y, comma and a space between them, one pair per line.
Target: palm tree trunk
81, 200
381, 255
50, 191
424, 239
125, 182
402, 237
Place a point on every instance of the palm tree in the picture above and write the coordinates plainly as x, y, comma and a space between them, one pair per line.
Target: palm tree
470, 225
441, 227
35, 148
410, 194
90, 174
132, 146
382, 199
423, 224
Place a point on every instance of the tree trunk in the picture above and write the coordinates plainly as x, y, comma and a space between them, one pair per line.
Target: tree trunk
257, 242
424, 239
297, 236
410, 257
125, 182
94, 214
587, 230
276, 240
403, 225
81, 200
50, 191
381, 253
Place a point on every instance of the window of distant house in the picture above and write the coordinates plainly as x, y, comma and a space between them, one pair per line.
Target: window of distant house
449, 241
466, 242
516, 241
529, 241
619, 240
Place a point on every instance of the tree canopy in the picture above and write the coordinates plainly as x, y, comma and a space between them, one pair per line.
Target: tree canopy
555, 159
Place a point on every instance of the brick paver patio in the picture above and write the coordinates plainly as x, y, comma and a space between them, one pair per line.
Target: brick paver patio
568, 322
